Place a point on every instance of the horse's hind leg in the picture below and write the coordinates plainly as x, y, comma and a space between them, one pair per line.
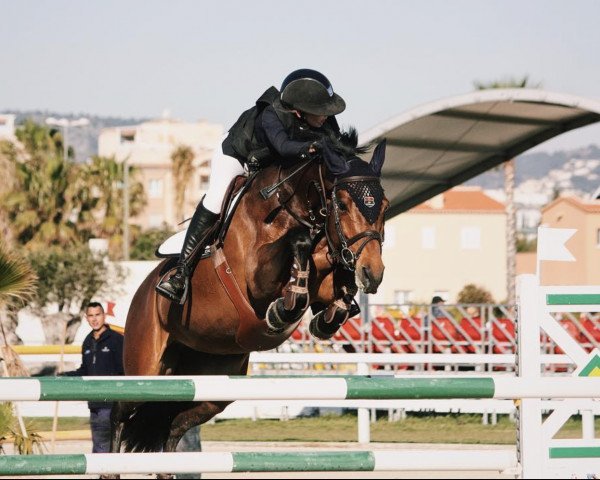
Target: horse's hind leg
290, 308
201, 413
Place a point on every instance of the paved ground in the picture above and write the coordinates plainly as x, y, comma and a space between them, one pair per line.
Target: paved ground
78, 446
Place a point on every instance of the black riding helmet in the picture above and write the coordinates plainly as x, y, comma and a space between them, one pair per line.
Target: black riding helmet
310, 91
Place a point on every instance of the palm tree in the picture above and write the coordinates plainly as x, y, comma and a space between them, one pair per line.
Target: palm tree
17, 285
17, 279
183, 170
43, 206
509, 191
104, 176
7, 173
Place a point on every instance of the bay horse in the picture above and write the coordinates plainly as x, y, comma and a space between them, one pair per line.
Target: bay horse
313, 244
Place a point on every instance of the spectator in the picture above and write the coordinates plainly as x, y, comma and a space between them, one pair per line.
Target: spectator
102, 354
437, 311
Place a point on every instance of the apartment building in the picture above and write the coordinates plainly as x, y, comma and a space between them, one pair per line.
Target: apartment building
149, 147
438, 247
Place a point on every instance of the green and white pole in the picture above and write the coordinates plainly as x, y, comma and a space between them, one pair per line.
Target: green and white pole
223, 388
310, 461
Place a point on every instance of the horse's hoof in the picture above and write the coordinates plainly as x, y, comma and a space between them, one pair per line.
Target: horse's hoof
274, 321
324, 330
278, 318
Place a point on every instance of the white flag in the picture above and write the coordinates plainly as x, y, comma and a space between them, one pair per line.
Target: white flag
551, 244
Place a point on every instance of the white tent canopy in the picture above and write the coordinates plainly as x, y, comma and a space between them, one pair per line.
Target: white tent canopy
437, 146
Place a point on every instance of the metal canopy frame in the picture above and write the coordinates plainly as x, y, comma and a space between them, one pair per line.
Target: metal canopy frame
437, 146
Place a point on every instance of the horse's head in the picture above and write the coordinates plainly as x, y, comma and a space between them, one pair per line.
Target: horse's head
355, 221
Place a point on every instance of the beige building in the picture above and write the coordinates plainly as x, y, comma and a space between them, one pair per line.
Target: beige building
583, 215
148, 147
442, 245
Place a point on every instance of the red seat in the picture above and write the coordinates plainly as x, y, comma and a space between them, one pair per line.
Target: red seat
504, 335
503, 330
383, 328
571, 328
592, 327
350, 330
413, 328
443, 329
445, 336
473, 329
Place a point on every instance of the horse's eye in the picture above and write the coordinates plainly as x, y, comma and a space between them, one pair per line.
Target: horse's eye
342, 206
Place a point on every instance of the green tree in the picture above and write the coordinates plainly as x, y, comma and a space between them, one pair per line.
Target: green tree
46, 204
145, 244
7, 173
104, 176
472, 293
183, 170
509, 191
17, 285
68, 280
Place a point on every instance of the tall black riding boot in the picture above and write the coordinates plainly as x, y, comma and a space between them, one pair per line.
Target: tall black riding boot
176, 287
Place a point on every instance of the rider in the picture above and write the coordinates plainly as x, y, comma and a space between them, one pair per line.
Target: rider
289, 126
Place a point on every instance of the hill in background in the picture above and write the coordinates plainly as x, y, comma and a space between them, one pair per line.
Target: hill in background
84, 140
563, 171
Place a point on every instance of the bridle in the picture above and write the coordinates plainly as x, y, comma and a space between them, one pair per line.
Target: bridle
344, 255
316, 220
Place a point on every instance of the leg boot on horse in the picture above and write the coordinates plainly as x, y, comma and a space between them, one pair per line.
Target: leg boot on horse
176, 287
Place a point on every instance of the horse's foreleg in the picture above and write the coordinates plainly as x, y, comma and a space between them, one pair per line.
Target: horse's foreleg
342, 288
327, 322
296, 299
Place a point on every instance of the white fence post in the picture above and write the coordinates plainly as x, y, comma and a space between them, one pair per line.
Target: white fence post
530, 442
364, 425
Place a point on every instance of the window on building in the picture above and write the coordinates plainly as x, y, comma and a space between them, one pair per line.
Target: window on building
127, 136
402, 297
155, 188
428, 238
204, 181
470, 238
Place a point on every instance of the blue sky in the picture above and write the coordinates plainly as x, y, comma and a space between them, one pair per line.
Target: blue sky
211, 60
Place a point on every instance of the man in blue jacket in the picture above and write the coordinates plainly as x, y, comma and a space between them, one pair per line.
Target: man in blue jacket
102, 354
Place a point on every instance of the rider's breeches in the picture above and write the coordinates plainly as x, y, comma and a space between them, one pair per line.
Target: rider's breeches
223, 169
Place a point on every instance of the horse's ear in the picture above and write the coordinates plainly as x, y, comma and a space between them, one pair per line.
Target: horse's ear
378, 158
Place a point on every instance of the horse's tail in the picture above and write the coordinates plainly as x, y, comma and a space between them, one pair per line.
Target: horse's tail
148, 427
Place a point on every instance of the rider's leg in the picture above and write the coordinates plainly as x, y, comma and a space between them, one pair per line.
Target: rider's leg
223, 169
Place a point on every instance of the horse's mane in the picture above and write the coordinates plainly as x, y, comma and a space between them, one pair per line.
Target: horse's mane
346, 143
